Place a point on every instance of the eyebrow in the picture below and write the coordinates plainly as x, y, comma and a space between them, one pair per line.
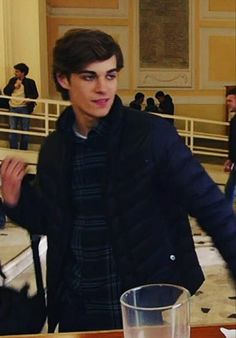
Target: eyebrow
86, 71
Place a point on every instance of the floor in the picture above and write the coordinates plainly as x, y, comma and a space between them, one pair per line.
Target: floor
214, 302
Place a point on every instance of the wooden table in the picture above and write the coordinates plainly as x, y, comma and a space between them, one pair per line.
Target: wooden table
196, 332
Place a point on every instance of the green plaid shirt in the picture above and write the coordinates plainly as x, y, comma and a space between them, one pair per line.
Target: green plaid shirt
91, 271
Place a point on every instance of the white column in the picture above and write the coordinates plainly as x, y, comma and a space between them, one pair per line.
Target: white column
23, 35
3, 74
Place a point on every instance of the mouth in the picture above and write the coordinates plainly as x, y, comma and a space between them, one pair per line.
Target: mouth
101, 102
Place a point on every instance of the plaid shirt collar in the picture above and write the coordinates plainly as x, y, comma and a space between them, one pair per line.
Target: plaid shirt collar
101, 129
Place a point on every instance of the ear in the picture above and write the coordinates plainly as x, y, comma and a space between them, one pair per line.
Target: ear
63, 81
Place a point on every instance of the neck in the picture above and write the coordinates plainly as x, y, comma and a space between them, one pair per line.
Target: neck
83, 126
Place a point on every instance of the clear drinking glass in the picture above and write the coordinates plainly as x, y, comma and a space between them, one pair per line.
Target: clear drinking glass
156, 311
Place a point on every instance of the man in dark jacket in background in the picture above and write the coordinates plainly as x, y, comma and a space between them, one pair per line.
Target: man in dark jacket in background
230, 163
137, 102
21, 87
113, 191
166, 105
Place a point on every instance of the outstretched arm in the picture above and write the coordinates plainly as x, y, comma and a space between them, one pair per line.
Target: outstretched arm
22, 203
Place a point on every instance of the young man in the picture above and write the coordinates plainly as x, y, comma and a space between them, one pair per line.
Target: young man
137, 102
151, 106
166, 105
22, 87
113, 191
229, 165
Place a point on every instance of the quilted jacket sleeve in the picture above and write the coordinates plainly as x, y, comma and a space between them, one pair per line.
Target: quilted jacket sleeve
190, 185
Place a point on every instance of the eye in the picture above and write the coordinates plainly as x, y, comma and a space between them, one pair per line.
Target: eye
88, 77
111, 76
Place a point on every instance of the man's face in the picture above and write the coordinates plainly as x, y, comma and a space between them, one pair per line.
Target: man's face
231, 102
93, 89
20, 75
160, 98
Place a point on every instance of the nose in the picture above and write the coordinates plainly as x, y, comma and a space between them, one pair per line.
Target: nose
101, 85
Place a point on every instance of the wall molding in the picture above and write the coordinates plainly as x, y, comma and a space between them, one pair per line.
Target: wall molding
175, 78
121, 11
205, 34
205, 13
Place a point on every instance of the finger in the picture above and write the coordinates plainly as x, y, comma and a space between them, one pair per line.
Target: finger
18, 169
13, 167
6, 165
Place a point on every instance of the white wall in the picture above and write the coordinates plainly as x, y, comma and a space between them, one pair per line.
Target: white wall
23, 37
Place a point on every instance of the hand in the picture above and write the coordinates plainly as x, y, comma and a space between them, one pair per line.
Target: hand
227, 165
18, 83
12, 172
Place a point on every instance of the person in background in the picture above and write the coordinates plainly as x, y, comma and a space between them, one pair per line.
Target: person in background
229, 165
22, 87
93, 172
150, 106
166, 105
137, 102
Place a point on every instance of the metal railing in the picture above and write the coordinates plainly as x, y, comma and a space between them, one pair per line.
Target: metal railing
46, 110
202, 136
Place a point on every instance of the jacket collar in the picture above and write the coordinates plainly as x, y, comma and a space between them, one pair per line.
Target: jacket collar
67, 119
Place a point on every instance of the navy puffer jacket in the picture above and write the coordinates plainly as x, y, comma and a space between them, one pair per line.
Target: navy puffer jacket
151, 185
